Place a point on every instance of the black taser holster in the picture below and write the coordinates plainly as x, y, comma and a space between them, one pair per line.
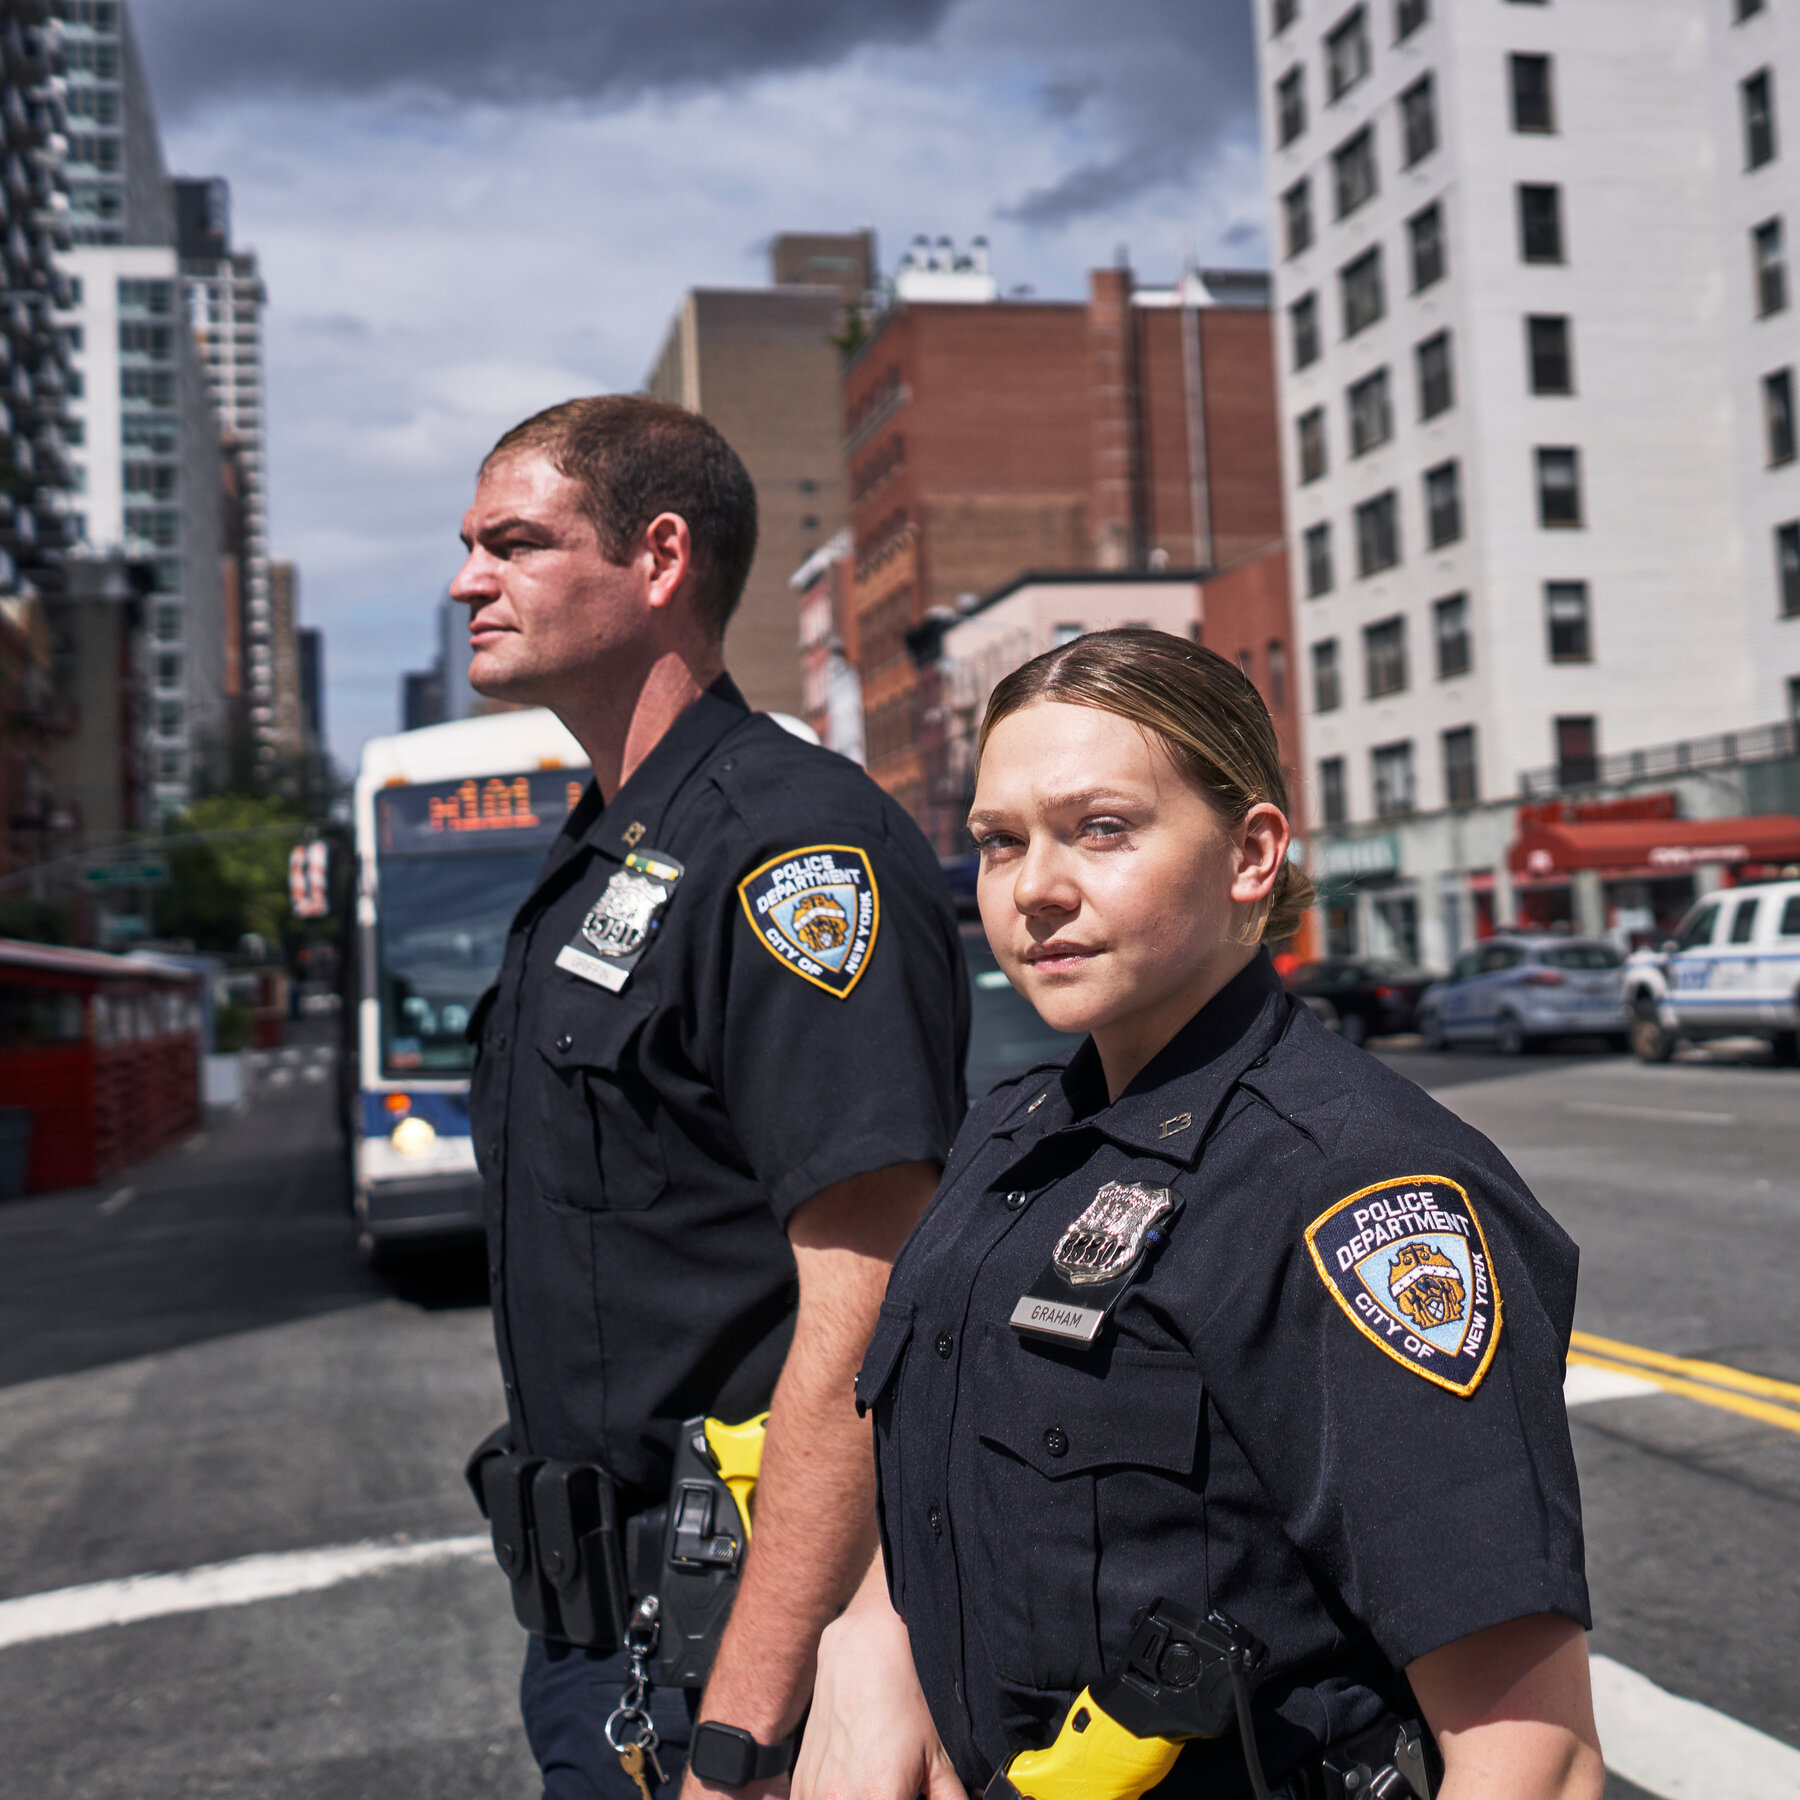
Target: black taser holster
556, 1536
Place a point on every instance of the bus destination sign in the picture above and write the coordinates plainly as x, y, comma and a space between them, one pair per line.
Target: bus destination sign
477, 813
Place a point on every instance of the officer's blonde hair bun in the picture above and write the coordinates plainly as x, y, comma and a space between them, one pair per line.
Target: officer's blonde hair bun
1209, 717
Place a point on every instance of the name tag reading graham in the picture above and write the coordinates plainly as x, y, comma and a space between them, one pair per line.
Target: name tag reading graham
1054, 1318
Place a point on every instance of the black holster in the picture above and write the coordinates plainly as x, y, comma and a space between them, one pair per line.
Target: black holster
557, 1537
1396, 1759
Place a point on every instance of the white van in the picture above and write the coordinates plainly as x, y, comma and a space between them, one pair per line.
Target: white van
1731, 970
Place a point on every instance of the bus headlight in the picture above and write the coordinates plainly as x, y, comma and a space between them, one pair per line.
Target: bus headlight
413, 1136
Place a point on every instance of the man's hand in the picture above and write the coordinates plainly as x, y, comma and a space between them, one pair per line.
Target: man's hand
1513, 1712
870, 1736
815, 1498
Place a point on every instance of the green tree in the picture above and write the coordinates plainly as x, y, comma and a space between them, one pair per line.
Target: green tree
235, 879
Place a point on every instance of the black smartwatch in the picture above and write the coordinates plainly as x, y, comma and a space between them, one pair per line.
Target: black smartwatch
729, 1757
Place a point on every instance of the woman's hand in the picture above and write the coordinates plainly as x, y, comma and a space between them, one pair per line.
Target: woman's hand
869, 1735
1513, 1712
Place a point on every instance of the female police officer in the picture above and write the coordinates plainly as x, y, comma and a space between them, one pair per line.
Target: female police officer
1220, 1311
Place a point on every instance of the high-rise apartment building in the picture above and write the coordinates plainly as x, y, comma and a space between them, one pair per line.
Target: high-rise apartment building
763, 365
146, 441
1510, 405
224, 296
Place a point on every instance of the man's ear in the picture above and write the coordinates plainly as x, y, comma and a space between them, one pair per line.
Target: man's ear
668, 551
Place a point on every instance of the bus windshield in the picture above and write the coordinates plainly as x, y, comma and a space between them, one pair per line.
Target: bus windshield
442, 933
454, 862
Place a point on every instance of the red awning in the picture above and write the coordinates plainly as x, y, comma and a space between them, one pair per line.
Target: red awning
1653, 846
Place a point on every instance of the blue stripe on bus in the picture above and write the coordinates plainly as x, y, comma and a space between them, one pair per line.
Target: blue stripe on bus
447, 1114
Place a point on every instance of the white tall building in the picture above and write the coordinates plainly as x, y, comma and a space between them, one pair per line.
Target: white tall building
1521, 427
145, 442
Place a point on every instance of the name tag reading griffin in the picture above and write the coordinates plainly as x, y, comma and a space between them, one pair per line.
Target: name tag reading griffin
620, 924
1095, 1260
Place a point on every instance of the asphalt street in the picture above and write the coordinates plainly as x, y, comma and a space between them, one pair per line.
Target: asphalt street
198, 1368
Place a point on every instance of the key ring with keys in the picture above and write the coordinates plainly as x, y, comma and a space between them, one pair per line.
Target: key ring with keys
632, 1714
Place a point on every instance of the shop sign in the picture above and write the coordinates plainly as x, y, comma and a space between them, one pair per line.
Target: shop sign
1348, 859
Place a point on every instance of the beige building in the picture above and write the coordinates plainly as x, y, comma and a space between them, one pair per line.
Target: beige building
764, 366
287, 729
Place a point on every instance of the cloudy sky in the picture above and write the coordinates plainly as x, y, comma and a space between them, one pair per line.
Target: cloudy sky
467, 210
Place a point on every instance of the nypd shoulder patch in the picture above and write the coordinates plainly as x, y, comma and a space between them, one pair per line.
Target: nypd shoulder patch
1408, 1262
816, 911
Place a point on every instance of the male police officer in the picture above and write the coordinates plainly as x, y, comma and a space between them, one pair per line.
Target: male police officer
720, 1067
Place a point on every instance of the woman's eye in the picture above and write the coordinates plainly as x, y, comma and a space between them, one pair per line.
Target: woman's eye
1103, 828
997, 840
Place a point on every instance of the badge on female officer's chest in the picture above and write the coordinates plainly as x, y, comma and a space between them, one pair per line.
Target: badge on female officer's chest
1095, 1260
618, 927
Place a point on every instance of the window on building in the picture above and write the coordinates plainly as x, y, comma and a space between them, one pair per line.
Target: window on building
1409, 15
168, 669
1371, 413
1793, 695
1443, 504
137, 294
168, 718
1066, 634
1391, 774
1353, 171
1364, 295
168, 624
1778, 414
1540, 223
1328, 692
1310, 429
1758, 92
1425, 246
1548, 350
1347, 53
1462, 781
1533, 106
1577, 751
1559, 488
1378, 533
1418, 121
1278, 672
1787, 567
1769, 265
1303, 328
1290, 105
74, 433
1450, 631
1566, 620
1748, 9
1296, 216
1384, 658
1319, 575
1282, 14
1437, 388
1334, 806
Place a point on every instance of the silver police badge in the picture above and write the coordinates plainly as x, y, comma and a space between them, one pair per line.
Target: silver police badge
1109, 1235
620, 923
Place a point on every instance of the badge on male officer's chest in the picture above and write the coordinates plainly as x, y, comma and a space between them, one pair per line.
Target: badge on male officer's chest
1095, 1260
619, 925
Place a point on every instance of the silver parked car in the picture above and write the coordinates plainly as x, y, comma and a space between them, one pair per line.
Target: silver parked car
1517, 990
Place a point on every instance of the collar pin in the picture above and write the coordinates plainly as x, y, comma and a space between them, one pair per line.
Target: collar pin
1039, 1101
1175, 1126
633, 834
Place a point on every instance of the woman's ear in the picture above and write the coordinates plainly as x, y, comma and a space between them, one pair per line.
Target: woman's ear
1261, 842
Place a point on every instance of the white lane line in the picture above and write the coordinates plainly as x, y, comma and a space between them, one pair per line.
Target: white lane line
1583, 1385
118, 1200
1605, 1109
1680, 1749
66, 1611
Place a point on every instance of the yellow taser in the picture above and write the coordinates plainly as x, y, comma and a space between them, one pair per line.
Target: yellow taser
737, 1455
1094, 1758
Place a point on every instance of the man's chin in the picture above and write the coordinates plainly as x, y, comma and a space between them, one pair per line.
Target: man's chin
493, 680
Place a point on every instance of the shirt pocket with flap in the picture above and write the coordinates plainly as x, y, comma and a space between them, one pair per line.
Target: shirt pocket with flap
1059, 1432
595, 1137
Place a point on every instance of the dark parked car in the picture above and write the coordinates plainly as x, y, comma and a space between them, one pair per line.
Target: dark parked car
1005, 1032
1362, 996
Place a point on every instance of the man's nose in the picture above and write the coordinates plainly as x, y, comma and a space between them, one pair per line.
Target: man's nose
474, 581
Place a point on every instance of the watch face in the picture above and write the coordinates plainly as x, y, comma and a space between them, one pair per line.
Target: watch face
723, 1755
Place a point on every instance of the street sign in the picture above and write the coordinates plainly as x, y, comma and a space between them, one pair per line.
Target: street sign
136, 874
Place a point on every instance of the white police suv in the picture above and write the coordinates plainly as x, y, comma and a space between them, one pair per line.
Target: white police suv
1731, 970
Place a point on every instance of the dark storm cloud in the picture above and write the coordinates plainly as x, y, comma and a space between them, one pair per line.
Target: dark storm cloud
502, 50
1159, 83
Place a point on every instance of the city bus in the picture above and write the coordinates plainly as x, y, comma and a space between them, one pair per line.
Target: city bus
452, 822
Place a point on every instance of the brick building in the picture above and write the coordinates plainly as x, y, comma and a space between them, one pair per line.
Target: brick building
1133, 431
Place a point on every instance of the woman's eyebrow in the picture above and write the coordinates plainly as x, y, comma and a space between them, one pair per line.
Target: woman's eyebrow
1058, 803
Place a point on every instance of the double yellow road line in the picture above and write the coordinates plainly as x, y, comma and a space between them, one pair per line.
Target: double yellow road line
1757, 1397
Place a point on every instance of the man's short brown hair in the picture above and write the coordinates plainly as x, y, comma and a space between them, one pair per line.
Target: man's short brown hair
633, 458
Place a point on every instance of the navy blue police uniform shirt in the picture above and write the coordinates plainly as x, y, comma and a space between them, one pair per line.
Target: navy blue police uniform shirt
1331, 1405
735, 984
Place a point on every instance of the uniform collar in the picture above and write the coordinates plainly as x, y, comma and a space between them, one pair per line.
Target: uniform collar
635, 816
1169, 1109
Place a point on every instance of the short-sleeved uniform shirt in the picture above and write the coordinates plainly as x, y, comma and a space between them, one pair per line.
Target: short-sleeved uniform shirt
735, 984
1330, 1405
